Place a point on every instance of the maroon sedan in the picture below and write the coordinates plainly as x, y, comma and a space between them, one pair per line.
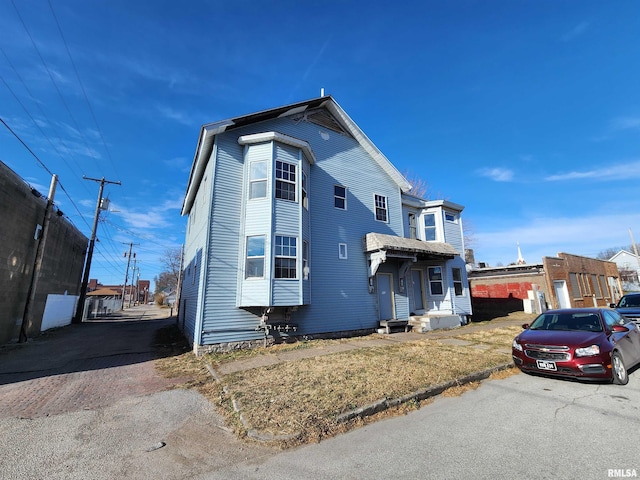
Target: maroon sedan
589, 343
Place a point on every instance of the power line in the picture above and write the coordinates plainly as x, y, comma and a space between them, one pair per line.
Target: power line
64, 102
43, 166
84, 93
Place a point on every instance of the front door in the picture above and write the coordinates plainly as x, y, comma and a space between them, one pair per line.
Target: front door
385, 296
418, 290
560, 287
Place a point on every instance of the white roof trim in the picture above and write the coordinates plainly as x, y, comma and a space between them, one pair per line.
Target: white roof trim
280, 138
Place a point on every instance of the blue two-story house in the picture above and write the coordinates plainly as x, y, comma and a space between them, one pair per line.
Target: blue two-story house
299, 225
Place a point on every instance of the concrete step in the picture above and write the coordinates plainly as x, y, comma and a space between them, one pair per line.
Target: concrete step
431, 322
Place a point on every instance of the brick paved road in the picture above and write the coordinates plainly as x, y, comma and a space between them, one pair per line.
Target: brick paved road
82, 367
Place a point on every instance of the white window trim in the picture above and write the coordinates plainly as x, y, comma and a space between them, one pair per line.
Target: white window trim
287, 257
336, 196
342, 251
375, 207
276, 179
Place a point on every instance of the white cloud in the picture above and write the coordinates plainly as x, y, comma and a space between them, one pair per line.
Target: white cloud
497, 174
175, 115
611, 172
626, 123
575, 32
547, 236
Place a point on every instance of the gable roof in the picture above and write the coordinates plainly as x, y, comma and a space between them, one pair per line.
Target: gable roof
621, 253
337, 120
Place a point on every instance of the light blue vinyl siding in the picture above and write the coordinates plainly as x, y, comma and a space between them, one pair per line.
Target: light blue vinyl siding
255, 220
462, 304
453, 235
223, 321
336, 296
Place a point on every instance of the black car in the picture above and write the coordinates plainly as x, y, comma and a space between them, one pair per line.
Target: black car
629, 306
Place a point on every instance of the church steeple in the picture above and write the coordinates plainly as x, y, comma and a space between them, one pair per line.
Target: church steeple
521, 260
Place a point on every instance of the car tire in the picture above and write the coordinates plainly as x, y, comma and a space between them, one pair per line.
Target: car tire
619, 371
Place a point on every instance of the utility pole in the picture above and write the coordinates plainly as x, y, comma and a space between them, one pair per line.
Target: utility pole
126, 274
635, 251
87, 267
133, 279
41, 236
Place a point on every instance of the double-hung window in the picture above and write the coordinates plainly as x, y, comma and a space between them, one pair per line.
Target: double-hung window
340, 197
381, 208
258, 179
285, 257
429, 227
457, 281
285, 180
435, 280
254, 265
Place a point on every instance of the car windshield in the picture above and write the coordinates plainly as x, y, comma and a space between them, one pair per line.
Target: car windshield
630, 301
585, 322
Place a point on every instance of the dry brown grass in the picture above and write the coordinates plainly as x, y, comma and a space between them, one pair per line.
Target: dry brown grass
300, 400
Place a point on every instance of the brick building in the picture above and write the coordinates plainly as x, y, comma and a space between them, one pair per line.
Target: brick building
558, 282
140, 290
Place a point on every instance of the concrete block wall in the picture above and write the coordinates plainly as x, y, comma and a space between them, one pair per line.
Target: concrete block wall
21, 212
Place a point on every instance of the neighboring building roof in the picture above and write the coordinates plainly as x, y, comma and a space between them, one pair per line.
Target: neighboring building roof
377, 241
620, 253
344, 122
104, 292
507, 270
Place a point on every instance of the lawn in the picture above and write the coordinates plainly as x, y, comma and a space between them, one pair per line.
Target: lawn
298, 400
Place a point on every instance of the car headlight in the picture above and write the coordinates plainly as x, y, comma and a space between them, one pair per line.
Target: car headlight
516, 345
588, 351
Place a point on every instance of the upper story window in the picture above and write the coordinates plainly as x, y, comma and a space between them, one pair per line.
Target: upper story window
451, 217
429, 227
285, 180
285, 257
305, 188
258, 179
381, 208
412, 226
340, 197
254, 264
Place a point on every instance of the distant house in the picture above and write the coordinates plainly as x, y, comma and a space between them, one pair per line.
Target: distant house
102, 302
629, 268
299, 225
562, 281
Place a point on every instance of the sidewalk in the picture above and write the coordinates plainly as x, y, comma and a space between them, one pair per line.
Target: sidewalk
274, 357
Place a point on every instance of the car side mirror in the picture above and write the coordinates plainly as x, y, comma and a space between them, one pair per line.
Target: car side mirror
612, 305
525, 326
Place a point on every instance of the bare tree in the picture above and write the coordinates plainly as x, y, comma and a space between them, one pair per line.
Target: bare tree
419, 186
169, 277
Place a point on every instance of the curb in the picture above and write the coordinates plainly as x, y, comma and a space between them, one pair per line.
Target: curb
429, 392
367, 410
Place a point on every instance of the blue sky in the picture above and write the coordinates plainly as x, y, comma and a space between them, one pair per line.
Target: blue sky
525, 112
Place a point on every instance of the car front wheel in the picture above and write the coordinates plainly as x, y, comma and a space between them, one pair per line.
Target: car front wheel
620, 376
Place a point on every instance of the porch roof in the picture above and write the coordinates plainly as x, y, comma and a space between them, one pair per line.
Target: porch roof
375, 242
